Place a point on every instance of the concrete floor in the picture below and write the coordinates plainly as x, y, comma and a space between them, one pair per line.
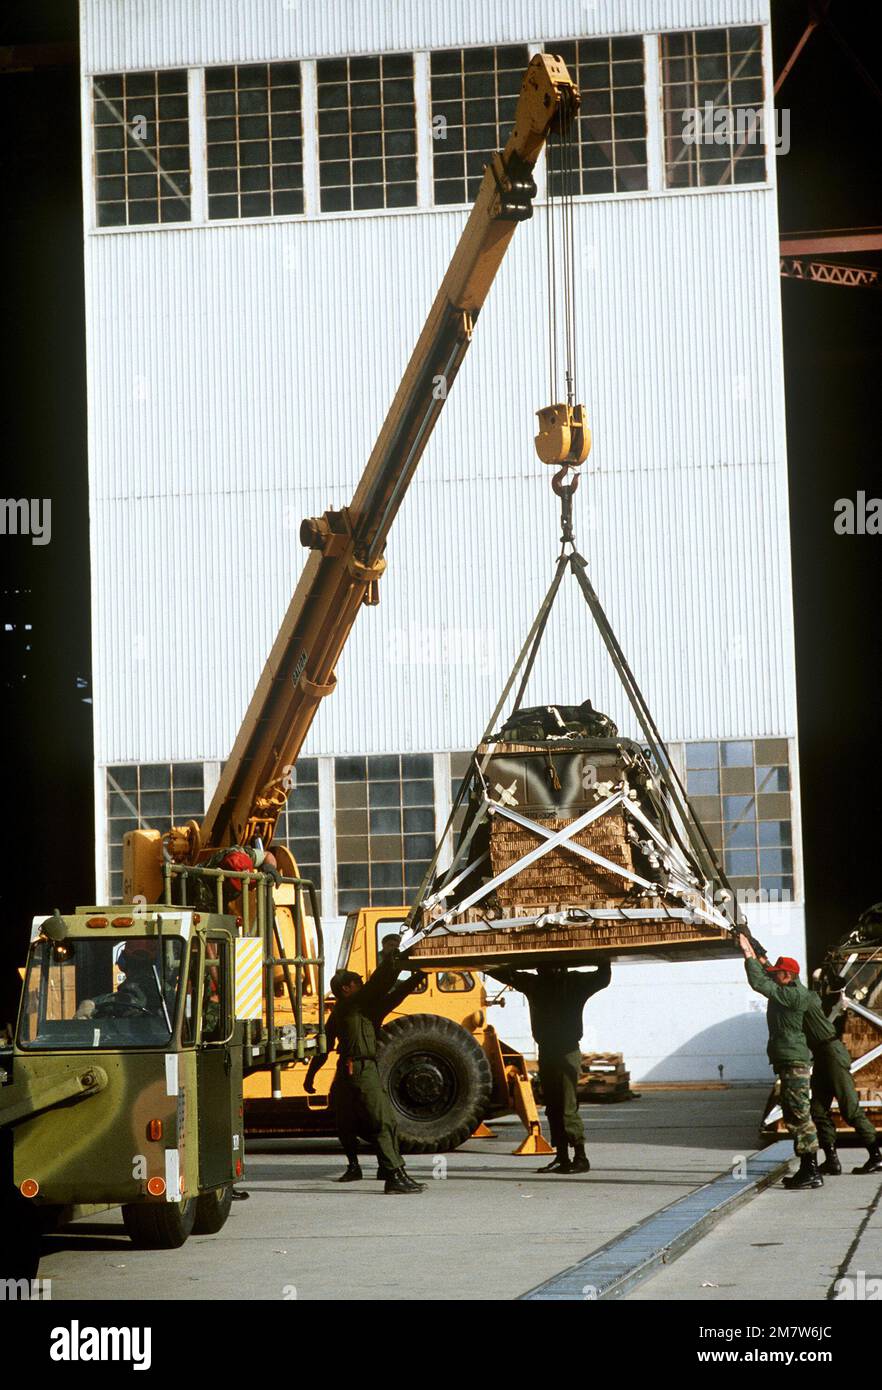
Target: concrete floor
488, 1226
787, 1246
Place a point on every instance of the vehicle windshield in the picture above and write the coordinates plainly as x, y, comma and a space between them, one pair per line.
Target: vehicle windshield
346, 943
102, 992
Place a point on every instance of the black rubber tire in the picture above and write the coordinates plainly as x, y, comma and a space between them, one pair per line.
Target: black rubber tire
159, 1225
438, 1080
212, 1210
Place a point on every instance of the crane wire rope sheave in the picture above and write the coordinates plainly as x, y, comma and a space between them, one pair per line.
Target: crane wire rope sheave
564, 441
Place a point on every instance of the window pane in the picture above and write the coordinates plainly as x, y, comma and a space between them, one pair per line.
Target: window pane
375, 125
712, 90
128, 115
392, 840
610, 77
740, 836
735, 754
703, 783
741, 863
471, 89
701, 755
262, 101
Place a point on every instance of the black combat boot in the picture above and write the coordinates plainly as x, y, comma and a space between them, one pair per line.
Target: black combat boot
581, 1162
831, 1165
806, 1175
400, 1185
874, 1162
383, 1173
560, 1163
353, 1172
417, 1186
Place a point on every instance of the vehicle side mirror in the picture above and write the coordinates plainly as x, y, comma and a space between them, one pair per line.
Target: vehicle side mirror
55, 927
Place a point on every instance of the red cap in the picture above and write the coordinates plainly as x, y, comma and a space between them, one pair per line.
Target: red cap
785, 963
237, 859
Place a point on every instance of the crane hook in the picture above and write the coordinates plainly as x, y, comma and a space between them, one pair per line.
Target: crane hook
564, 490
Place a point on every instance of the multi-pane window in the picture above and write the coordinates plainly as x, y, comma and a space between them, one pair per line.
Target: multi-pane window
142, 148
254, 140
611, 154
367, 132
385, 828
298, 825
740, 790
712, 102
154, 796
474, 98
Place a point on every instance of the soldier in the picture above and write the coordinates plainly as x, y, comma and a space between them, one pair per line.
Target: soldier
831, 1076
361, 1104
148, 986
557, 997
245, 859
789, 1055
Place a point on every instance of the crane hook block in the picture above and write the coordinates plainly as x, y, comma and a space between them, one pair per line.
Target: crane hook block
564, 437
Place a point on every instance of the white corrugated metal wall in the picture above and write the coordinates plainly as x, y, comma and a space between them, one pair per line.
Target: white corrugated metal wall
244, 387
236, 385
122, 34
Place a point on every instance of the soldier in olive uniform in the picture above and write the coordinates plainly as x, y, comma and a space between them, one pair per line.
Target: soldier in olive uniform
789, 1055
831, 1076
361, 1104
557, 997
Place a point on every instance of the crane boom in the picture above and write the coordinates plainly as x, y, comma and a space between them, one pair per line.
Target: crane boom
346, 547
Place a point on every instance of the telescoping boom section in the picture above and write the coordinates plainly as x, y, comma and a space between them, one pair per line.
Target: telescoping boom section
346, 547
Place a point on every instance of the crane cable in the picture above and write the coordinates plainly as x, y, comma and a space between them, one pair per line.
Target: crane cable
562, 174
563, 170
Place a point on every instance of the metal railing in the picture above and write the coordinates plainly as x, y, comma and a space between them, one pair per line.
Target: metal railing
260, 920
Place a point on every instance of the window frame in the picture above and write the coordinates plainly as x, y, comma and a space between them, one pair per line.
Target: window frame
91, 151
206, 145
424, 144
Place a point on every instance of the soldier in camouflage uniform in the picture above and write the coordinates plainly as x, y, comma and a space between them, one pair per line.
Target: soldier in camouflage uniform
831, 1077
789, 1055
360, 1102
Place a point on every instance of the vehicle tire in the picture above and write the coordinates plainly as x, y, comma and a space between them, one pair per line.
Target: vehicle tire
159, 1225
212, 1210
438, 1080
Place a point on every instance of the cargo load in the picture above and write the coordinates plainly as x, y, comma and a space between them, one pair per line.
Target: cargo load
571, 848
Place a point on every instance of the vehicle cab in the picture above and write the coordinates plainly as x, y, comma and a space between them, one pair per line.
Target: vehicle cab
127, 1059
456, 994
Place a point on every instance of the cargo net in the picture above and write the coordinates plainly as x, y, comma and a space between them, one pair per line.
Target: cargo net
569, 843
575, 840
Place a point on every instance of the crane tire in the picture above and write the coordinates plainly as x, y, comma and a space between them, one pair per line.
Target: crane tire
438, 1081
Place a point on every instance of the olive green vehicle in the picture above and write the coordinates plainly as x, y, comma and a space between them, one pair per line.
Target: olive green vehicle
124, 1083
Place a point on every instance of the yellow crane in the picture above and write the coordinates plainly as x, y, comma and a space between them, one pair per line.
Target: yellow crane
459, 1070
146, 1028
